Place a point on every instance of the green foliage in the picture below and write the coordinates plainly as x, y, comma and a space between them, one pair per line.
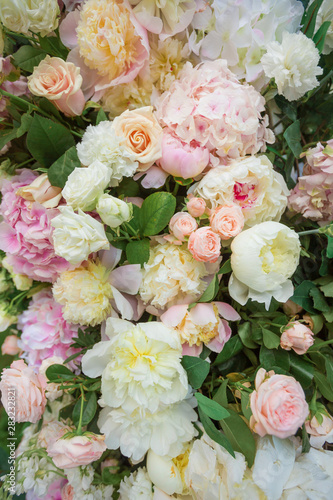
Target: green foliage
197, 370
239, 435
293, 137
231, 348
212, 409
214, 433
89, 409
156, 212
137, 252
60, 170
27, 57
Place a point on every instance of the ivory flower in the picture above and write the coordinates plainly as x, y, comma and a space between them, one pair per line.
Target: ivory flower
137, 486
23, 16
263, 259
294, 65
325, 14
113, 211
140, 365
132, 95
320, 428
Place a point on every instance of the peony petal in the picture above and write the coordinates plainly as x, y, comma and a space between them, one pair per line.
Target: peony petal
174, 315
227, 311
193, 350
154, 177
96, 359
122, 304
110, 258
67, 29
127, 278
202, 314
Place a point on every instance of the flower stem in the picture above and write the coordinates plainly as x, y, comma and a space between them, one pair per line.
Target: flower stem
79, 428
311, 231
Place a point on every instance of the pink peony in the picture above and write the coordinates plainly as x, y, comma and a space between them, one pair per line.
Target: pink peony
204, 245
23, 392
278, 405
227, 221
182, 224
70, 452
313, 194
298, 337
196, 206
181, 159
10, 345
45, 333
26, 233
208, 105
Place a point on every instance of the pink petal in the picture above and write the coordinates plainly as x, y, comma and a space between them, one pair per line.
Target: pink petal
127, 278
155, 178
227, 311
67, 29
193, 350
110, 258
122, 304
174, 315
8, 239
202, 314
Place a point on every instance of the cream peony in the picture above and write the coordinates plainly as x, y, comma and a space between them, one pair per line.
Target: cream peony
294, 65
140, 135
137, 486
251, 183
76, 236
164, 431
85, 185
140, 365
113, 211
132, 95
100, 143
24, 16
263, 259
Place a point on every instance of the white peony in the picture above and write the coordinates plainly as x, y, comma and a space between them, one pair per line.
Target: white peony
85, 185
263, 259
167, 473
249, 182
136, 487
294, 65
76, 236
325, 14
113, 211
140, 365
164, 431
101, 143
25, 16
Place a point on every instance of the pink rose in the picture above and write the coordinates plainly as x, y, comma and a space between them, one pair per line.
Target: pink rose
182, 160
67, 492
278, 405
10, 346
204, 245
75, 451
42, 191
317, 429
19, 384
182, 224
227, 221
196, 206
58, 81
298, 337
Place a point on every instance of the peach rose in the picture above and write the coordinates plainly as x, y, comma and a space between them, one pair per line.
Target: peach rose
42, 191
75, 451
19, 384
196, 206
140, 134
182, 224
227, 221
204, 245
10, 346
67, 492
58, 81
278, 405
296, 336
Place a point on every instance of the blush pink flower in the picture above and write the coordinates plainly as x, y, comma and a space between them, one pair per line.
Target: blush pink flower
181, 159
182, 224
75, 451
28, 389
297, 337
67, 492
204, 245
26, 232
227, 221
196, 206
203, 324
42, 191
278, 405
313, 194
10, 345
45, 333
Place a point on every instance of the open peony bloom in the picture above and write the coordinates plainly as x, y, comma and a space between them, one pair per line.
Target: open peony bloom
20, 384
278, 405
297, 337
109, 44
203, 324
75, 451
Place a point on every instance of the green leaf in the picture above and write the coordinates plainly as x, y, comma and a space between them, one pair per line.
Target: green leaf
301, 369
319, 38
244, 331
156, 212
6, 136
231, 348
302, 298
323, 386
245, 404
47, 140
329, 251
89, 409
288, 108
305, 440
329, 370
60, 170
240, 436
197, 370
137, 252
319, 300
27, 57
214, 433
270, 339
183, 182
128, 187
53, 46
327, 289
221, 394
292, 135
56, 373
101, 117
213, 409
276, 357
308, 21
226, 268
211, 290
109, 475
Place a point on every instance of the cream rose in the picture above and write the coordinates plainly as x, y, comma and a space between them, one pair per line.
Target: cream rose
140, 134
75, 451
278, 405
59, 81
24, 16
227, 221
182, 224
85, 185
113, 211
42, 191
297, 337
204, 245
263, 259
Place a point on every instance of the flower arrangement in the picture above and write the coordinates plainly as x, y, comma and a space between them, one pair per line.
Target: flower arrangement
166, 245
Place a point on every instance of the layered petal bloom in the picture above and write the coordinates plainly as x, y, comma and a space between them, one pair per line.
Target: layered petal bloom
75, 451
182, 224
137, 485
205, 245
31, 15
227, 221
297, 337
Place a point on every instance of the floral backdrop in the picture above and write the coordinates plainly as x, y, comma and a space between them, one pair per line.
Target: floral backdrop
166, 245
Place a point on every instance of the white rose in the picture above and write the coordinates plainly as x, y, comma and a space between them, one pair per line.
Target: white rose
249, 182
263, 258
113, 211
24, 16
76, 236
85, 185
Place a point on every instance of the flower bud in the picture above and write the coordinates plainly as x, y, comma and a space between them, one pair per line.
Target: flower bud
113, 211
